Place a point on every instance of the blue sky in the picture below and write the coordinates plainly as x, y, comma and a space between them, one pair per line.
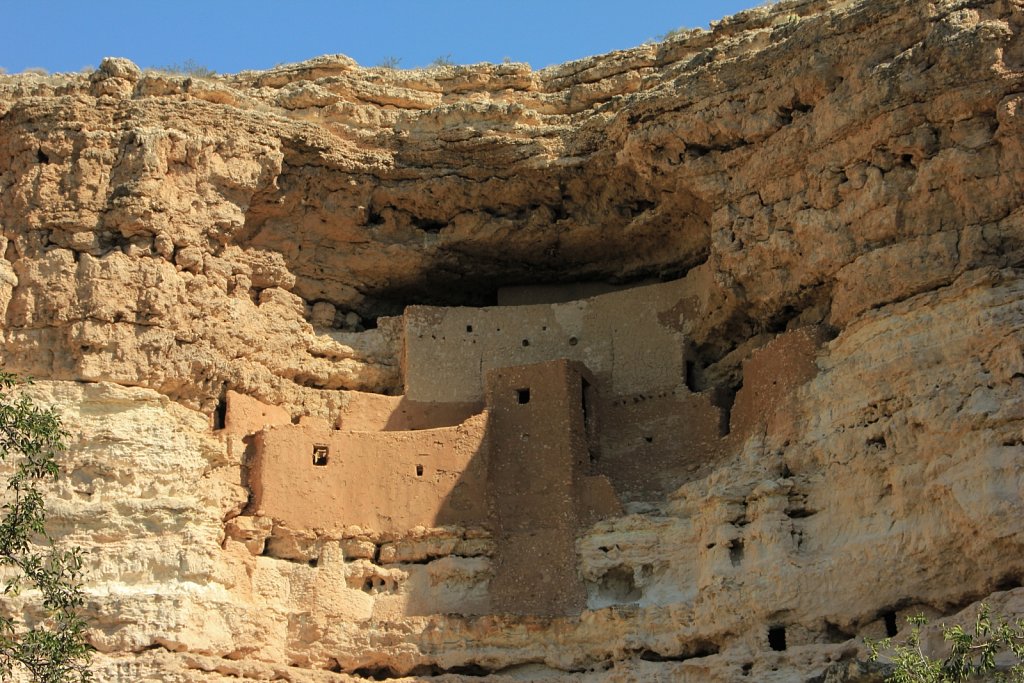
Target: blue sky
67, 35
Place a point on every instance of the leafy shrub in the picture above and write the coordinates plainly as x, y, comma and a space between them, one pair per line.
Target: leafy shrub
972, 656
53, 648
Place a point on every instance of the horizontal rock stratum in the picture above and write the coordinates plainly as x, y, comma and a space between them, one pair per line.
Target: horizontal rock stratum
771, 271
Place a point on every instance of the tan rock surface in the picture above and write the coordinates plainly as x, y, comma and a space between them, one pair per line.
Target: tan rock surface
853, 164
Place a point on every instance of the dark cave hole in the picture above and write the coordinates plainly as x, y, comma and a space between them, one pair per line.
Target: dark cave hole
430, 670
780, 320
220, 414
375, 673
428, 225
724, 398
42, 157
876, 443
777, 638
690, 375
891, 628
1008, 583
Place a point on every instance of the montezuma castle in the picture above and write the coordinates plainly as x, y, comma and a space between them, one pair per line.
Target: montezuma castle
700, 361
527, 423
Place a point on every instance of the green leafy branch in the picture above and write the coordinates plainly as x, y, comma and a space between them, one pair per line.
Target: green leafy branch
972, 655
52, 650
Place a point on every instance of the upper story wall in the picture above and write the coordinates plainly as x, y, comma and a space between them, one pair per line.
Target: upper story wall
630, 341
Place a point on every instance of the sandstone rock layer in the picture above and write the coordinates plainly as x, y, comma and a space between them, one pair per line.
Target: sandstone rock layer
851, 167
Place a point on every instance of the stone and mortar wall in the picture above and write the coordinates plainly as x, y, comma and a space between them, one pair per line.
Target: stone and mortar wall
387, 482
629, 339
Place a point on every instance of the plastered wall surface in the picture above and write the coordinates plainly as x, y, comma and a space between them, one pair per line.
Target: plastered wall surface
366, 412
537, 491
389, 482
630, 340
649, 444
244, 415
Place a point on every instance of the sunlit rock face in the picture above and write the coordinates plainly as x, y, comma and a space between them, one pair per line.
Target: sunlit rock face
776, 267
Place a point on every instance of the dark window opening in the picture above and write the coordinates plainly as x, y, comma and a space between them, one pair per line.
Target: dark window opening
890, 623
736, 552
523, 395
724, 398
314, 562
469, 328
526, 342
777, 638
42, 157
220, 414
419, 470
320, 454
690, 375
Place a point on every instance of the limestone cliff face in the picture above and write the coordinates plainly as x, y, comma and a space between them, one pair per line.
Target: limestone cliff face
853, 165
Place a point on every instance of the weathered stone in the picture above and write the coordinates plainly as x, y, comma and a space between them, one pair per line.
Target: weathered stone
836, 186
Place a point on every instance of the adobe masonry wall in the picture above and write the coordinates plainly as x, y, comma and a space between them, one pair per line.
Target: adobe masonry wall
388, 482
651, 444
363, 412
540, 488
629, 340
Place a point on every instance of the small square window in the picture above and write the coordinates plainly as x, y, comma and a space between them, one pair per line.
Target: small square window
523, 395
320, 453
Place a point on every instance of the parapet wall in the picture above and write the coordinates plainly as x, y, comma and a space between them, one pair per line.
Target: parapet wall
630, 340
365, 412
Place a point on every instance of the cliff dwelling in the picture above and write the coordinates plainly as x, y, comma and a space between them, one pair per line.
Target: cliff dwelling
527, 423
700, 361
